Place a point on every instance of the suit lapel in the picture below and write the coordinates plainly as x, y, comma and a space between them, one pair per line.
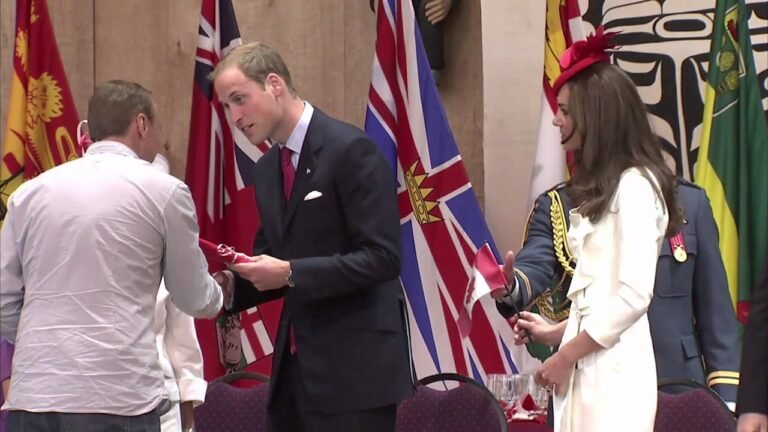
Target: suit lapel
307, 163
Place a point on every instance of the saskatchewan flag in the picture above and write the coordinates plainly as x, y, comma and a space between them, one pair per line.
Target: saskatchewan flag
732, 163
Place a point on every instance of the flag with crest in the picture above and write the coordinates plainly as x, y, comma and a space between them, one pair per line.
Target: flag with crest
442, 226
42, 118
733, 155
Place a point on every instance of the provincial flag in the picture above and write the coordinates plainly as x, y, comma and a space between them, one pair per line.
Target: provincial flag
442, 226
733, 155
42, 118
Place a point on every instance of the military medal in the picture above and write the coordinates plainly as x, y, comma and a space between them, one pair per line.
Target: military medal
677, 245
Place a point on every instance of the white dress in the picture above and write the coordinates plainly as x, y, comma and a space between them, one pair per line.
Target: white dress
614, 389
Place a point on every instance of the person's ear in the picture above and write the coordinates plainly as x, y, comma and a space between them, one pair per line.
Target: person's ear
142, 125
274, 83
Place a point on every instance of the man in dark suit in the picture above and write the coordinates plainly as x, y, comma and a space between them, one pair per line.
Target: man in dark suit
693, 324
329, 244
752, 403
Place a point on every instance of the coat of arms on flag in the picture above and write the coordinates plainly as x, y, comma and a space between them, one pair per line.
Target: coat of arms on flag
442, 226
42, 117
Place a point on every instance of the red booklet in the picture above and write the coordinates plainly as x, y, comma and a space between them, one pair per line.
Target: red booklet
222, 253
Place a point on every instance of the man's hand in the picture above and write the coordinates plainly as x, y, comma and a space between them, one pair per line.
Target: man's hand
227, 284
437, 10
187, 415
753, 422
265, 272
509, 272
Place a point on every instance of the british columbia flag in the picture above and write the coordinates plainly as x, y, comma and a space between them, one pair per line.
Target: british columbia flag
219, 162
442, 225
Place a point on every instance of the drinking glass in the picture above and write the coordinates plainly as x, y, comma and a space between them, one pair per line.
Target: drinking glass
540, 395
504, 388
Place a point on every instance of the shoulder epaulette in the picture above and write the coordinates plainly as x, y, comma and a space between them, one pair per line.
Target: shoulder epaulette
554, 188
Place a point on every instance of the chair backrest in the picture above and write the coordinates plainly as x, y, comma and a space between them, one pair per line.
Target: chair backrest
242, 375
233, 409
699, 409
469, 406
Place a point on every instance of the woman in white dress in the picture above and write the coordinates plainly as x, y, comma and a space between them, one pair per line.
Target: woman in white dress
624, 202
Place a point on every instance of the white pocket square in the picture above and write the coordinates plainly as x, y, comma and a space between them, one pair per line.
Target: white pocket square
313, 195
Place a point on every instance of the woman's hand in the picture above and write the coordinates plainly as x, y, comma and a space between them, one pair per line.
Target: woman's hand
554, 373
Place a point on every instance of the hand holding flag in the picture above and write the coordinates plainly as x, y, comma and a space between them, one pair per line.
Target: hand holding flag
487, 279
222, 253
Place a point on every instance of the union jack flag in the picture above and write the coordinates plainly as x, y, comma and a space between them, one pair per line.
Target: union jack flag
220, 160
442, 226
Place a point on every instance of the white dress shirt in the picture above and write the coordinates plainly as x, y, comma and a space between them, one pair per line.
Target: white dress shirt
82, 251
295, 140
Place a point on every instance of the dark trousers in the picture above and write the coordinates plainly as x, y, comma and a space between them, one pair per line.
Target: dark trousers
25, 421
291, 413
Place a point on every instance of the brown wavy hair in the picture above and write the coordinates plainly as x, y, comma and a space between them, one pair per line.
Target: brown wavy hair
616, 135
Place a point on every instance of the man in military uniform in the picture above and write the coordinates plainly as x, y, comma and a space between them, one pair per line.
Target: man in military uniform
693, 324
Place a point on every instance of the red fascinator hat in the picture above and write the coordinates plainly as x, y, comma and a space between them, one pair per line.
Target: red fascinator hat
584, 54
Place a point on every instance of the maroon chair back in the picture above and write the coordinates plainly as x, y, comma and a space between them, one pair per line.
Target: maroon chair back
697, 410
466, 407
233, 409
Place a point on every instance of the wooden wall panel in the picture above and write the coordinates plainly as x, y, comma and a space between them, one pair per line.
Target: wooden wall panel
72, 22
7, 28
461, 87
152, 43
359, 39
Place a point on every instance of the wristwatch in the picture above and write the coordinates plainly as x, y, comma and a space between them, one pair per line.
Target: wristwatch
289, 278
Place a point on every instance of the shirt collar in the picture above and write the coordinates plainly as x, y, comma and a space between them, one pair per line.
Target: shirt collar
111, 147
296, 138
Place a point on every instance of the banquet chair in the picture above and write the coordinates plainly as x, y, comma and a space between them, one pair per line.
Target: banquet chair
234, 409
460, 404
699, 409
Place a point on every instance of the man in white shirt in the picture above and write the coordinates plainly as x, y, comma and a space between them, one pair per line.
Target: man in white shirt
82, 251
180, 355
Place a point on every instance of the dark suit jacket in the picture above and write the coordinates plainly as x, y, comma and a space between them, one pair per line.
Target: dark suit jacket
753, 392
693, 325
347, 306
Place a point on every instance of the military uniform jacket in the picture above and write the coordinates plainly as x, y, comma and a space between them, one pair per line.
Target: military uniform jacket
693, 325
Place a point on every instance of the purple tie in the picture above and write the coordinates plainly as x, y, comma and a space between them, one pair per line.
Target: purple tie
289, 172
289, 175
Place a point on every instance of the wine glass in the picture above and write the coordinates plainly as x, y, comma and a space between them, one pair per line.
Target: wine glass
504, 389
539, 394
